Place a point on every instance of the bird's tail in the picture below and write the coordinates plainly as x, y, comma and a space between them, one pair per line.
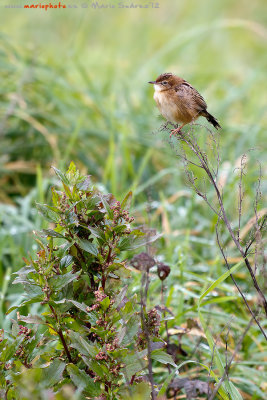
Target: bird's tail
212, 120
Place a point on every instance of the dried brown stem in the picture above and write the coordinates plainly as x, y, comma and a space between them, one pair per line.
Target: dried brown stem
212, 174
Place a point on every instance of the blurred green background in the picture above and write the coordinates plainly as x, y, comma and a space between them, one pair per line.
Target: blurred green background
74, 87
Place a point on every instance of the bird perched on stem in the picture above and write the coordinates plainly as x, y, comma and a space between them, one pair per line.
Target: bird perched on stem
179, 102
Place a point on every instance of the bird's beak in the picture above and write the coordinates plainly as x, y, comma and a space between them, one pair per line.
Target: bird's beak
153, 82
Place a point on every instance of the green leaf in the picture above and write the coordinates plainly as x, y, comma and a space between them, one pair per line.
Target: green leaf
166, 383
32, 319
60, 281
126, 202
219, 280
140, 391
67, 190
88, 246
120, 296
36, 299
48, 213
134, 363
84, 184
66, 261
83, 381
15, 328
55, 197
32, 291
61, 176
99, 368
107, 207
53, 373
162, 357
132, 327
126, 243
81, 306
121, 334
119, 228
10, 349
52, 233
105, 303
97, 232
84, 347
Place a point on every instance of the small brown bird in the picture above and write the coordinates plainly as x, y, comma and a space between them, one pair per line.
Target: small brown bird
179, 102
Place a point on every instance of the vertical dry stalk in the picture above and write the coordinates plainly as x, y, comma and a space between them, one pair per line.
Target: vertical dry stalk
195, 157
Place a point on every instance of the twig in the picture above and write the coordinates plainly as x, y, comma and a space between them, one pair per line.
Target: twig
60, 334
204, 163
235, 283
240, 194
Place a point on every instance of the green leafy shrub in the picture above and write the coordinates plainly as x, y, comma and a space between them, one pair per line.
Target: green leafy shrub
88, 335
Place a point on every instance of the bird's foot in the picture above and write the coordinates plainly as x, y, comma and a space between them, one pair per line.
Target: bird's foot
175, 131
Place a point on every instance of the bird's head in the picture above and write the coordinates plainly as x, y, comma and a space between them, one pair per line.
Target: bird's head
165, 81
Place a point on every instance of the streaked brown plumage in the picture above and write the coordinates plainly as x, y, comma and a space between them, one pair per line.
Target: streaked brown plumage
179, 102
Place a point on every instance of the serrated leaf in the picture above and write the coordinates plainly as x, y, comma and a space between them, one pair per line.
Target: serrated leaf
10, 349
88, 246
162, 357
61, 176
46, 211
36, 299
60, 281
32, 291
126, 202
132, 327
120, 296
105, 303
97, 232
157, 345
121, 334
15, 328
83, 381
53, 373
85, 184
55, 197
81, 306
84, 347
21, 280
126, 243
67, 190
52, 233
107, 207
32, 319
134, 363
99, 368
119, 228
66, 261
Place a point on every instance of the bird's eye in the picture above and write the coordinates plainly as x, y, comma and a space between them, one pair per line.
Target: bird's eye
164, 83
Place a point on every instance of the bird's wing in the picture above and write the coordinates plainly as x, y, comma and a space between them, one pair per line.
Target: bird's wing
185, 91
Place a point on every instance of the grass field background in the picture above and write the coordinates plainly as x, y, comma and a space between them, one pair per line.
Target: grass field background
74, 87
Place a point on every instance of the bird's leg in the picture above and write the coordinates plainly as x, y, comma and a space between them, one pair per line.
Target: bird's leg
177, 130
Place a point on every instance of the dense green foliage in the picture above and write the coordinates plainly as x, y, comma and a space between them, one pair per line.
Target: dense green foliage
74, 87
87, 331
